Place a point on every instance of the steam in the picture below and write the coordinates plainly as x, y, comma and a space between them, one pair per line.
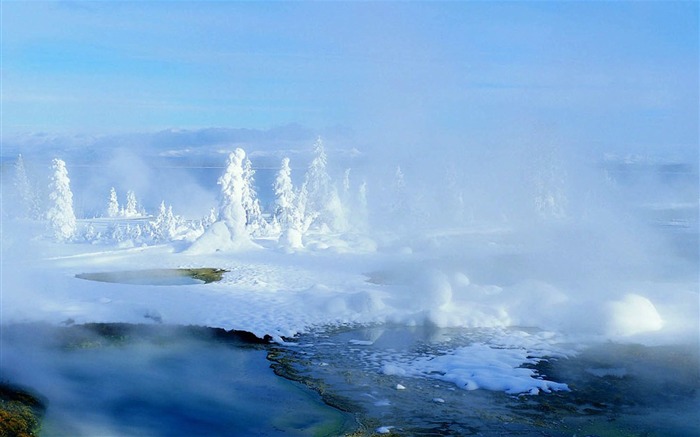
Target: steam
541, 235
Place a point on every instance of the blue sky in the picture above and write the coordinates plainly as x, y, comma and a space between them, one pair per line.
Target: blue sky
592, 74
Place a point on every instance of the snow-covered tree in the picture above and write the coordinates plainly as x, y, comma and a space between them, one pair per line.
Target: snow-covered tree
116, 233
287, 214
319, 196
157, 228
229, 231
113, 206
255, 223
166, 227
90, 234
171, 223
131, 205
29, 200
60, 214
210, 219
231, 210
135, 233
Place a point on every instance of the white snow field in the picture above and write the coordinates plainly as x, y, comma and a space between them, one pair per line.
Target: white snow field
575, 280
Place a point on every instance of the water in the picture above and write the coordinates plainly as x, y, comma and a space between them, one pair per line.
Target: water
163, 381
615, 389
143, 277
116, 380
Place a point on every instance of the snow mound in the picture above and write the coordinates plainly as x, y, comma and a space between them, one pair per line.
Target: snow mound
633, 314
218, 238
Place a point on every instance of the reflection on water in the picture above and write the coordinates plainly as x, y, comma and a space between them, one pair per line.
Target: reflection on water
159, 382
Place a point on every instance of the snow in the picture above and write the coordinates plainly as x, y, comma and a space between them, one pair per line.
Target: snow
631, 315
478, 366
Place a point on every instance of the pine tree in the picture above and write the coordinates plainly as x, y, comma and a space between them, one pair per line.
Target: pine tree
136, 233
113, 206
60, 214
209, 219
131, 209
170, 224
29, 200
90, 234
255, 223
231, 211
287, 214
157, 227
318, 196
